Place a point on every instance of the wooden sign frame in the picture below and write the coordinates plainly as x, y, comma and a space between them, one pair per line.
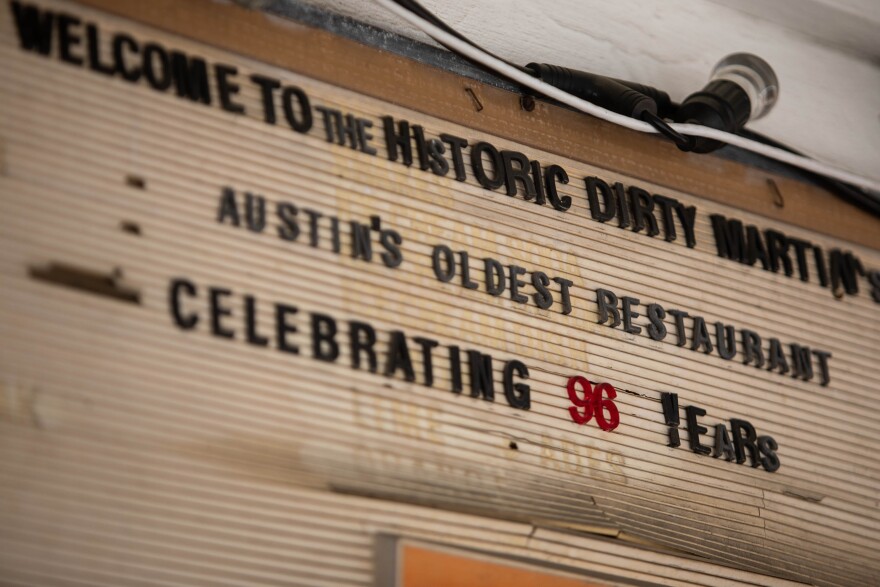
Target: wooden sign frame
237, 348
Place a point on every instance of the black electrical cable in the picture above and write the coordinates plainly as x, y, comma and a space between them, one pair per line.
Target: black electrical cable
847, 192
683, 142
420, 11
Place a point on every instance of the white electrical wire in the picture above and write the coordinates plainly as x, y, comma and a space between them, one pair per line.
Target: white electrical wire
697, 130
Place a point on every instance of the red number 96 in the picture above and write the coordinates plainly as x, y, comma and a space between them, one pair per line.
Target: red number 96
589, 402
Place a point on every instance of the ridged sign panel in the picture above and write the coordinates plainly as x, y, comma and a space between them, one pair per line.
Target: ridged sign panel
225, 282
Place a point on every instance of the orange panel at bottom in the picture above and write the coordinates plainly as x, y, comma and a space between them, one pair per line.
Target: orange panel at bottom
423, 567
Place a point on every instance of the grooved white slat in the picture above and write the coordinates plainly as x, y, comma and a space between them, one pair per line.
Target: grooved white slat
135, 453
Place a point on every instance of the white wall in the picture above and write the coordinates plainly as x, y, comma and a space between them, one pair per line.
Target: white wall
823, 53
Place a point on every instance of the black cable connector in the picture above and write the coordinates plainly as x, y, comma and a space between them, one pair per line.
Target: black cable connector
602, 91
627, 98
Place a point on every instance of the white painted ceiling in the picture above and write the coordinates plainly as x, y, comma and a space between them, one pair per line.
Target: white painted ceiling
825, 53
851, 25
